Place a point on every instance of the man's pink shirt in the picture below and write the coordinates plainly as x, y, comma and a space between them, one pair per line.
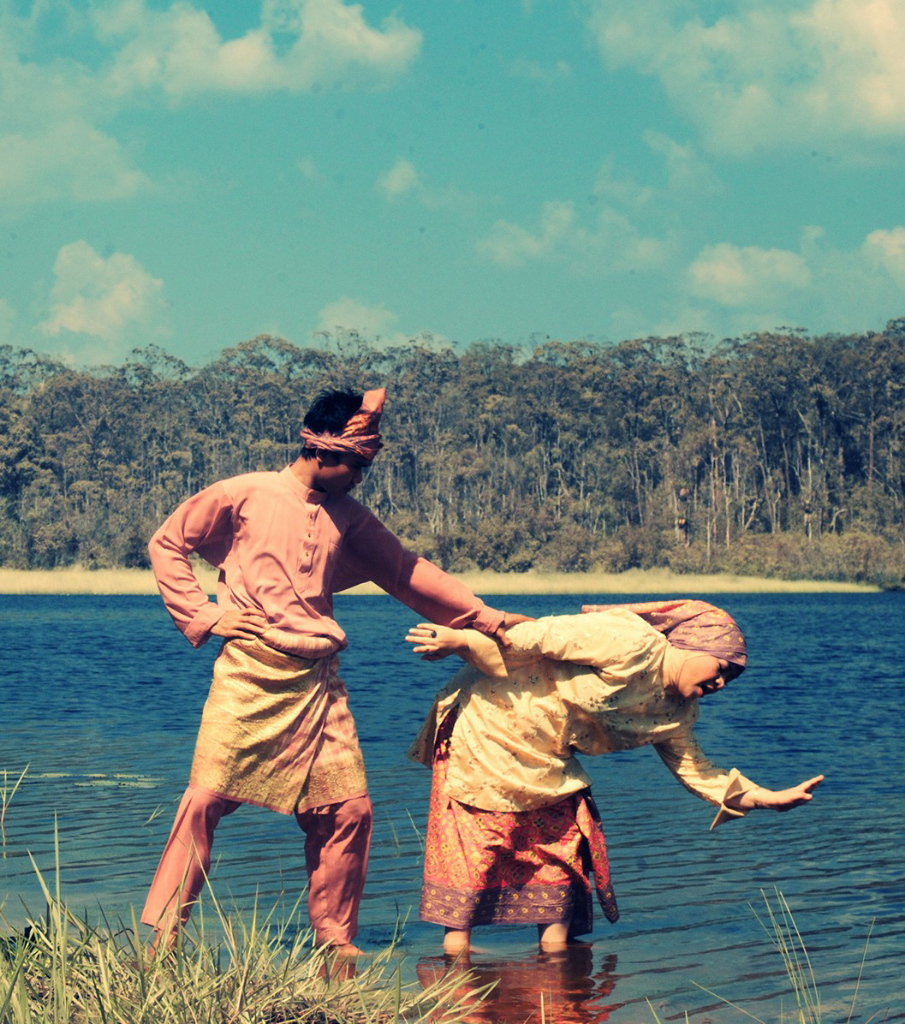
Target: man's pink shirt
284, 549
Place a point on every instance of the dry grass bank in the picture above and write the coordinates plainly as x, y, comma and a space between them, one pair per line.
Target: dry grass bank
635, 581
645, 581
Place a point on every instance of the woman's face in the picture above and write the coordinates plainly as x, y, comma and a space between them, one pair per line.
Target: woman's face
700, 675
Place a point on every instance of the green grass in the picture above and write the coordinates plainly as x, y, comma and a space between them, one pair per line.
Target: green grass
225, 969
62, 970
7, 792
230, 968
779, 924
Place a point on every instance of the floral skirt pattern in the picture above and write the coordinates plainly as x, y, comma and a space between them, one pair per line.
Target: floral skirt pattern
512, 867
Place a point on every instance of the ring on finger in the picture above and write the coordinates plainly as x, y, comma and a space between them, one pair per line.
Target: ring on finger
433, 634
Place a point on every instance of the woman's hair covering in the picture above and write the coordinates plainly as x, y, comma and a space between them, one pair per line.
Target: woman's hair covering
360, 436
692, 626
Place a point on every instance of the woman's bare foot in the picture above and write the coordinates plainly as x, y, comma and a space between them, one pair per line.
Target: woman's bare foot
553, 937
456, 940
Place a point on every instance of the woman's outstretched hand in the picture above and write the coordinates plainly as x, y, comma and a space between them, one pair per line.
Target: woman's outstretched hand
781, 799
434, 642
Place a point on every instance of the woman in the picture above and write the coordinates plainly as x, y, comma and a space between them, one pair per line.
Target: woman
513, 832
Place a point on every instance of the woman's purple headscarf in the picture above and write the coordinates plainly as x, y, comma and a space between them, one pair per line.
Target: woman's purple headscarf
692, 626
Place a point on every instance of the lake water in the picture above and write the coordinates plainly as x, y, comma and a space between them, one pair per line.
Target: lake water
101, 697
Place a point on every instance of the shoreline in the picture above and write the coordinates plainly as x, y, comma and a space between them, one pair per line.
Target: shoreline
110, 582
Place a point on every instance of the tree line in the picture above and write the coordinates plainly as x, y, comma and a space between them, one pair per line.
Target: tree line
775, 453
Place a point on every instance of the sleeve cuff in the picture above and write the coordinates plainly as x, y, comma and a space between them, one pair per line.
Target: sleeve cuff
488, 620
738, 785
198, 631
484, 654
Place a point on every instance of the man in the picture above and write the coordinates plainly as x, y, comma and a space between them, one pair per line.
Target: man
276, 729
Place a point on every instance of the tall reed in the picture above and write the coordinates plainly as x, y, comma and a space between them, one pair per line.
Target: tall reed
786, 939
7, 793
228, 968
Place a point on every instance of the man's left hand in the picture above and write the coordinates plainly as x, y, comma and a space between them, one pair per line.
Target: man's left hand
510, 619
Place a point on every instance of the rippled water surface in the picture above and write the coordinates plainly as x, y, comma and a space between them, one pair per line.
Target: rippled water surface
101, 697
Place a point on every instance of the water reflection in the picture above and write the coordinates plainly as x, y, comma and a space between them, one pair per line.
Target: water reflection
107, 730
563, 986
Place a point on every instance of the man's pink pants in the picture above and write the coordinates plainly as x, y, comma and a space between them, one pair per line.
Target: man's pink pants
337, 842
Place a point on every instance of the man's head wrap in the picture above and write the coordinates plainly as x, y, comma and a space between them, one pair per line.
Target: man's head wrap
692, 626
360, 436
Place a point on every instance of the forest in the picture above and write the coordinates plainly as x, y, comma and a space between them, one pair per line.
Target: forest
776, 454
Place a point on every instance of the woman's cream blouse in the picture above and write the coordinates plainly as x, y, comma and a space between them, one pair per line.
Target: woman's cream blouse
589, 683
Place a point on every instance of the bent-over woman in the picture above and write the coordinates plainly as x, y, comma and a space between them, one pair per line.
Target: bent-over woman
513, 833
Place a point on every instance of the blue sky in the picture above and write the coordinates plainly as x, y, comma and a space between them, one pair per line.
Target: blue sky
191, 175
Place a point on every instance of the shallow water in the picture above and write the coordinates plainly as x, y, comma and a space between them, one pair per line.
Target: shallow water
101, 698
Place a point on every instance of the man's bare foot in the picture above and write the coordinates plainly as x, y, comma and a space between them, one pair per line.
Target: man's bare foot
340, 962
154, 953
345, 950
162, 945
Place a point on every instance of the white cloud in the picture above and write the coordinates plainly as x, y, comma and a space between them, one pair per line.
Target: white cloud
403, 180
619, 189
351, 318
399, 179
685, 175
523, 67
887, 248
514, 246
686, 172
732, 275
350, 315
618, 244
51, 145
111, 299
805, 72
297, 45
308, 167
610, 243
70, 160
729, 290
54, 139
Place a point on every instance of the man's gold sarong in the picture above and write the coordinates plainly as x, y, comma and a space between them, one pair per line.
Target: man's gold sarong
277, 732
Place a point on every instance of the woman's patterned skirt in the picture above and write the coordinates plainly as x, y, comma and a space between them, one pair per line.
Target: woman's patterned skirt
512, 867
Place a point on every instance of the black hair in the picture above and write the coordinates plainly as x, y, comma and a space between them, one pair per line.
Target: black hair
330, 412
